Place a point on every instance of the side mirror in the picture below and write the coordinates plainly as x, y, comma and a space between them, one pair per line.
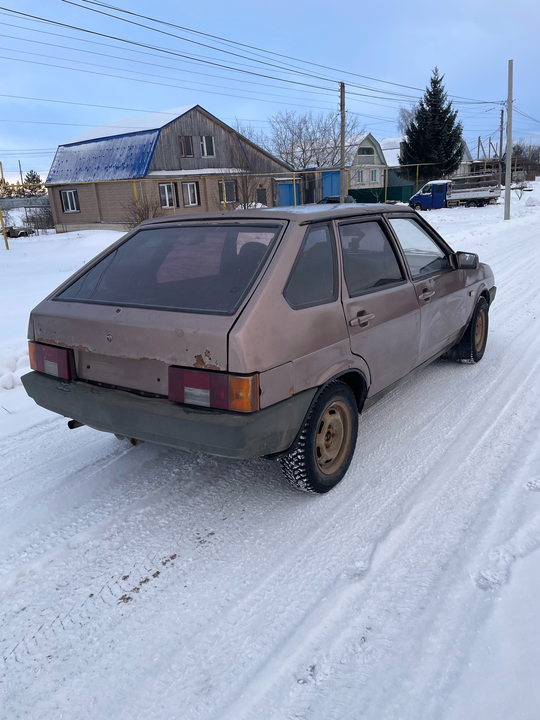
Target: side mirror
467, 261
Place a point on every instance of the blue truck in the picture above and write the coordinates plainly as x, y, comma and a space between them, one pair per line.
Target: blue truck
471, 191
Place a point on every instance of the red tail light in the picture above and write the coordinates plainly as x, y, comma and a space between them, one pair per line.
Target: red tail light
50, 360
214, 390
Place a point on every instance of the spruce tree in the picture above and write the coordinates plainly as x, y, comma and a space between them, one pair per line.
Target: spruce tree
34, 180
433, 136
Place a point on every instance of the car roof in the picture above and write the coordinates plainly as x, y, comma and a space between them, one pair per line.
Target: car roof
299, 214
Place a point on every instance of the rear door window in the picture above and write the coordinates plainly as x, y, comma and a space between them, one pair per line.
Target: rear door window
313, 280
423, 254
369, 261
196, 269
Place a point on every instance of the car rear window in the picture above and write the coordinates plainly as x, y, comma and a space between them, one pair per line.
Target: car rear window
203, 268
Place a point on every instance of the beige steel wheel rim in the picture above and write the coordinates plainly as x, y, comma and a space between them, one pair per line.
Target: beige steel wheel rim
333, 437
480, 331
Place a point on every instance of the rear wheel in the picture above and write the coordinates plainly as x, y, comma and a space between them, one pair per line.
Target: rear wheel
472, 345
327, 441
472, 203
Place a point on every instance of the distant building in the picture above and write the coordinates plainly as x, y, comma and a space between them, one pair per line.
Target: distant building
391, 148
176, 161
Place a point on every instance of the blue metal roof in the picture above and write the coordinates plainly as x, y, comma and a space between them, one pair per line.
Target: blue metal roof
120, 157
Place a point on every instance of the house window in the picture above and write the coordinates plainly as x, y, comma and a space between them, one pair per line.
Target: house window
167, 195
360, 176
366, 151
207, 146
70, 201
230, 191
374, 175
186, 146
190, 193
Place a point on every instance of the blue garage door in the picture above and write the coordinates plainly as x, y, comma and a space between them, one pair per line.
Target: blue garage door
286, 196
330, 183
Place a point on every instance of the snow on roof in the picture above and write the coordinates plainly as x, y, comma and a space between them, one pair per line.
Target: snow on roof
392, 157
141, 123
391, 143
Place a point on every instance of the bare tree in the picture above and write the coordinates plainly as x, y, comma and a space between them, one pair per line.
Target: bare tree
312, 140
248, 176
522, 149
39, 218
405, 116
145, 209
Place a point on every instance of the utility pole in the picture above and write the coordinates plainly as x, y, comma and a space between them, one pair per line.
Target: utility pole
508, 178
501, 148
20, 170
342, 177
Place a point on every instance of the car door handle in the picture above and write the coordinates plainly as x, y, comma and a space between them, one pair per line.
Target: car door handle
426, 294
362, 319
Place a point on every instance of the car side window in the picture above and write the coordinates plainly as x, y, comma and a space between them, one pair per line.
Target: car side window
423, 254
313, 280
369, 262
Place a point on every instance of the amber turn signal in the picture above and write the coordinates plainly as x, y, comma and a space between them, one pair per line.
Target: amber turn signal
244, 393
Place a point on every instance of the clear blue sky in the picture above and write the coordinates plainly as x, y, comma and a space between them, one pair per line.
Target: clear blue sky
470, 42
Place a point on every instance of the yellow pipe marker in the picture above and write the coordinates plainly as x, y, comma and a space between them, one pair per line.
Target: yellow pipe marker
4, 230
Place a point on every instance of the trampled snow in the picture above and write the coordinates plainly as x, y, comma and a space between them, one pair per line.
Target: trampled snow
150, 583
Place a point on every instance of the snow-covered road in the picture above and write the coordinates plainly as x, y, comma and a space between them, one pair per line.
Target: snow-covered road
150, 583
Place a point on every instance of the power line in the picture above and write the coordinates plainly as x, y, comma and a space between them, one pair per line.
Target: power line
152, 47
136, 72
112, 107
399, 97
150, 82
525, 115
251, 47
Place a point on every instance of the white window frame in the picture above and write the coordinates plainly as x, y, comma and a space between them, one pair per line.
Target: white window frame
204, 149
190, 190
374, 175
170, 195
360, 176
230, 197
70, 201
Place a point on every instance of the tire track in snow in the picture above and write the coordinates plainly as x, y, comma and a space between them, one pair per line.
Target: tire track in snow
239, 628
354, 611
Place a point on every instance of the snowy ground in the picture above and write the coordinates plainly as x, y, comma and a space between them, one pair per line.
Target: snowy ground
150, 583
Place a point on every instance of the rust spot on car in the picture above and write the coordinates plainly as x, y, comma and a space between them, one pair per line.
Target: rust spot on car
82, 348
291, 390
201, 364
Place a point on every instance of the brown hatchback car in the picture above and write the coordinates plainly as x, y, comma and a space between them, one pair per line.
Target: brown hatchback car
257, 333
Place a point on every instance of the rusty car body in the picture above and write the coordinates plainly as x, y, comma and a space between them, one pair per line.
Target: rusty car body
261, 333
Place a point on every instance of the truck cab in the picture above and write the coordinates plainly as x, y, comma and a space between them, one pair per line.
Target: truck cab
431, 196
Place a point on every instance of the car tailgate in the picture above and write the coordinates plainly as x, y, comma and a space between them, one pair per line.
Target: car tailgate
132, 347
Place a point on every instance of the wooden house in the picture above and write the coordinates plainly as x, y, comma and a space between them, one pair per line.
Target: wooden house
176, 161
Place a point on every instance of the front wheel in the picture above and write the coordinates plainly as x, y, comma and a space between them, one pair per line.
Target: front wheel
327, 442
472, 345
417, 207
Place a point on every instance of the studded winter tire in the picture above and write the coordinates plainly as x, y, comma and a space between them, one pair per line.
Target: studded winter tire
472, 345
327, 441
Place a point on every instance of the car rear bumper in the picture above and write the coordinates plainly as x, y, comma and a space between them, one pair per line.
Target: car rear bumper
234, 435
